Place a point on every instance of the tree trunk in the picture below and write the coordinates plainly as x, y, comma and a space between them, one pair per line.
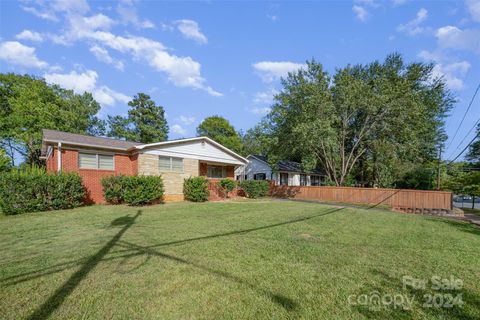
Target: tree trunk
473, 202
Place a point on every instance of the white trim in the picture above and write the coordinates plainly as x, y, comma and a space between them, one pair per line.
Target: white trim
218, 145
192, 156
86, 145
59, 157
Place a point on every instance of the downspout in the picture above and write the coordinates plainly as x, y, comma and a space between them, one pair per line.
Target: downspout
59, 157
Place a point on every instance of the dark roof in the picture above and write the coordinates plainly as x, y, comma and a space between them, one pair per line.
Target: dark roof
80, 139
287, 165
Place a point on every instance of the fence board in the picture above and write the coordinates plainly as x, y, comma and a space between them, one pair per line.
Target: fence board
395, 198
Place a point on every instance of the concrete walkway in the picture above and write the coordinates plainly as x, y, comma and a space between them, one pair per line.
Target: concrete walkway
472, 218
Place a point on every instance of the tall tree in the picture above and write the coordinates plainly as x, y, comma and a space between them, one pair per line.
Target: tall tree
376, 119
28, 105
145, 121
220, 130
256, 140
473, 154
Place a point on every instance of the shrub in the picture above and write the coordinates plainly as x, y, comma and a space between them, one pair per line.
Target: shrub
32, 189
255, 188
133, 190
113, 188
227, 186
196, 189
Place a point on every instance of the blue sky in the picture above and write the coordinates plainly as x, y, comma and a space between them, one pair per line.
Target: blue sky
204, 58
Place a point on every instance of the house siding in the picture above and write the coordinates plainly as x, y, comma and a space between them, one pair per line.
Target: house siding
148, 164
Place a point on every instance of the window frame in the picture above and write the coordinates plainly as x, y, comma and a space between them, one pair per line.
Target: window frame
224, 171
280, 178
303, 180
315, 176
264, 175
171, 164
97, 160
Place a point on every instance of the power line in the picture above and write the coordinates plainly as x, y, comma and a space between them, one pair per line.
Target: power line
466, 147
464, 115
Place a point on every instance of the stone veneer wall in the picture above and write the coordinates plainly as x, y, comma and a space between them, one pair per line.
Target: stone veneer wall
173, 181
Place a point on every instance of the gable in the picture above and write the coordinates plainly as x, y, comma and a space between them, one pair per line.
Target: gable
196, 149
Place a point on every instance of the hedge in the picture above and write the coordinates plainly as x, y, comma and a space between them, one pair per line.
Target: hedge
133, 190
227, 186
196, 189
255, 188
32, 189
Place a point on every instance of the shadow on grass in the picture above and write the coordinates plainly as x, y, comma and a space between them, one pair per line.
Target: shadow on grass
58, 297
394, 286
458, 224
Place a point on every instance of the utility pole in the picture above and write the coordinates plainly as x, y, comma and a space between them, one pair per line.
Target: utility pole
438, 169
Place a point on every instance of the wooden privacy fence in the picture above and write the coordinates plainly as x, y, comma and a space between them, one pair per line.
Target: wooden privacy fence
394, 198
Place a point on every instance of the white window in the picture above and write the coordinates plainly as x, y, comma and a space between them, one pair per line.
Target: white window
96, 161
170, 164
216, 172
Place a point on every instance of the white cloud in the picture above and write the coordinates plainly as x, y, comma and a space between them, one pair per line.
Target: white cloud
182, 71
261, 110
30, 35
102, 55
452, 72
87, 82
187, 120
265, 97
270, 71
413, 26
48, 10
18, 54
399, 2
360, 12
128, 15
454, 38
273, 17
43, 14
178, 129
473, 7
190, 30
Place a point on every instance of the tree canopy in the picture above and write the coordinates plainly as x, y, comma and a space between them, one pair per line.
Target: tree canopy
220, 130
373, 123
145, 121
28, 104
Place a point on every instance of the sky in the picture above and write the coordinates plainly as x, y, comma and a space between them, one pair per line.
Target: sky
226, 58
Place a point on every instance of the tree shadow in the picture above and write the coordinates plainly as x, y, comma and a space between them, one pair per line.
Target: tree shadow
279, 299
88, 264
58, 297
464, 226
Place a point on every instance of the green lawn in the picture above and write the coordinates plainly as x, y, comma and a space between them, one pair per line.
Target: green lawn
232, 260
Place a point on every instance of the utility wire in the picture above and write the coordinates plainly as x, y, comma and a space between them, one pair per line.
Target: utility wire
466, 147
464, 115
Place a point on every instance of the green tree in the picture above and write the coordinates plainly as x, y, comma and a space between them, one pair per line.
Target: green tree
257, 140
220, 130
5, 161
145, 122
369, 122
28, 104
464, 183
473, 154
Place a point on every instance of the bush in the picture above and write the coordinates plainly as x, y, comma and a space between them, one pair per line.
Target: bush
255, 188
133, 190
32, 189
227, 186
196, 189
113, 188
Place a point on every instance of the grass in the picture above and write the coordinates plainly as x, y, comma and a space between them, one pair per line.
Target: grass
232, 260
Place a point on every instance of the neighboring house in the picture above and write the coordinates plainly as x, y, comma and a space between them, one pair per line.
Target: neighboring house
287, 172
95, 157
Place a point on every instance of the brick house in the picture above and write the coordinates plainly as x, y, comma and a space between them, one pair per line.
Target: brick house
97, 157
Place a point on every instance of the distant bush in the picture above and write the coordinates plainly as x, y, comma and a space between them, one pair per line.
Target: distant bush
255, 188
227, 186
196, 189
32, 189
133, 190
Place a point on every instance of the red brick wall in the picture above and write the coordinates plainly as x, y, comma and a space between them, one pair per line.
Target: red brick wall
124, 164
